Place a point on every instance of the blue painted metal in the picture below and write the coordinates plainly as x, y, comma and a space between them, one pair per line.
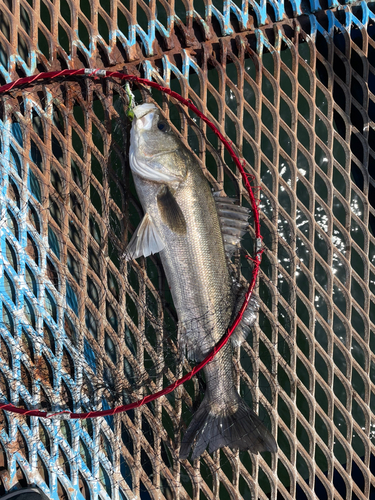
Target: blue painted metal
12, 136
147, 34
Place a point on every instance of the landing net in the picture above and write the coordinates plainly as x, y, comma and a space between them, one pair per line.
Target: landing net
35, 154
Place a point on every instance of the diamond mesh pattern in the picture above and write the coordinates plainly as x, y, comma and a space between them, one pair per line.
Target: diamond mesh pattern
297, 99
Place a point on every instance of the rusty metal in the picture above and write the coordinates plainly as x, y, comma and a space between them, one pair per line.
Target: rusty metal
294, 90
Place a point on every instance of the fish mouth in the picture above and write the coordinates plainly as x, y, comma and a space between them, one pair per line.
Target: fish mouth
144, 114
140, 163
144, 109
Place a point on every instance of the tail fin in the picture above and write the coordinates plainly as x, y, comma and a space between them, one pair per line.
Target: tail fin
236, 426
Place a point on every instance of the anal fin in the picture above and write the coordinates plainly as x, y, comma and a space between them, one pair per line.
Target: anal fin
248, 319
187, 344
145, 241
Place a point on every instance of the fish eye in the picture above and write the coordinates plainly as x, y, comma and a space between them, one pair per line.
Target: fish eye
164, 127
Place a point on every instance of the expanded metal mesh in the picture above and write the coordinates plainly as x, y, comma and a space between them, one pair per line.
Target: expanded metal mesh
297, 99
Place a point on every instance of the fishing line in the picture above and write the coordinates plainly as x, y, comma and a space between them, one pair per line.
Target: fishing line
23, 83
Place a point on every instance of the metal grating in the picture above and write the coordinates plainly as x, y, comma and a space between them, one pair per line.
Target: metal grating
297, 98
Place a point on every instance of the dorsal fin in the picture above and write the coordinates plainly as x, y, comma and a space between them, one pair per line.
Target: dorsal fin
233, 221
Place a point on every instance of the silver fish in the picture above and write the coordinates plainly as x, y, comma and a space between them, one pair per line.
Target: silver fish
195, 232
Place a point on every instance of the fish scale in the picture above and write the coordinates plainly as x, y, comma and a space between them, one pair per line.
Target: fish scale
182, 223
195, 263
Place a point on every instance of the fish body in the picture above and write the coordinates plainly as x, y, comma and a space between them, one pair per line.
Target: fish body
182, 223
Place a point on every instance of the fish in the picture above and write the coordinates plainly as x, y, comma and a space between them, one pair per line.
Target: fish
195, 231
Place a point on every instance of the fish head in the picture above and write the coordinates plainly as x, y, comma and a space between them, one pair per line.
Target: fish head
156, 153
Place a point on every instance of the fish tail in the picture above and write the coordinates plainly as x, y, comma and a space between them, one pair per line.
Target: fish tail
233, 425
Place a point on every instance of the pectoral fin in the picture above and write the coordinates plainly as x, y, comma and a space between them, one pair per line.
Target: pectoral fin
145, 241
170, 211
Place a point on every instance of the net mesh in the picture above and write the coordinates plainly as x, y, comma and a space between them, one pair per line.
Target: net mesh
292, 87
